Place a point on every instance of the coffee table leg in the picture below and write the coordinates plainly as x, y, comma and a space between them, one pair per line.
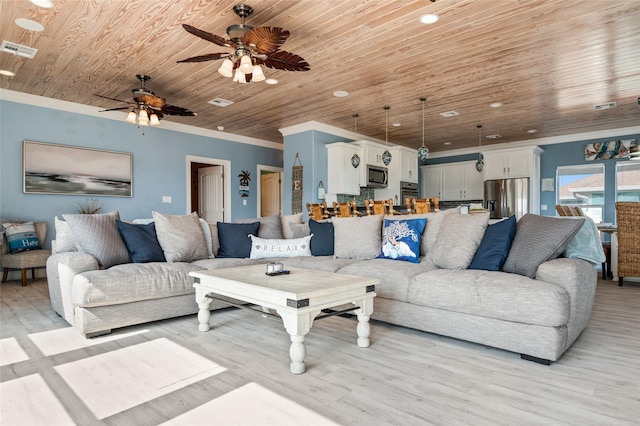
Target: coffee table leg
363, 328
204, 314
297, 325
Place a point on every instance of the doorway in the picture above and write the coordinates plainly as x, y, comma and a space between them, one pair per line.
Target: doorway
208, 189
270, 190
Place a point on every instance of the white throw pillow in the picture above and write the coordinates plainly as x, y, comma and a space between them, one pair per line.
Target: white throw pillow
64, 237
262, 248
357, 237
181, 237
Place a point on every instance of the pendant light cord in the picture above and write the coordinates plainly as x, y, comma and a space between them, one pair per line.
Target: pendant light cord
386, 125
423, 101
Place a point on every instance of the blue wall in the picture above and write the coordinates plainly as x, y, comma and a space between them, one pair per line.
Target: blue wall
159, 163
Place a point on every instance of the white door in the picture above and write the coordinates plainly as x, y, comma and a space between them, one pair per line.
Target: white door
270, 194
211, 194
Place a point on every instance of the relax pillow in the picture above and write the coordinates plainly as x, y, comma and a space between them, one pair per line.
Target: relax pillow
270, 226
21, 237
323, 239
357, 237
181, 237
538, 239
401, 239
141, 242
97, 235
262, 248
495, 245
458, 240
234, 239
286, 221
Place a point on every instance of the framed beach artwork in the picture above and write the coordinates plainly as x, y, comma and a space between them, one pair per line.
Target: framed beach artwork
71, 170
608, 150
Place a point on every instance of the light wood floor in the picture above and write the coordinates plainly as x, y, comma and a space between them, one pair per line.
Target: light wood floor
169, 373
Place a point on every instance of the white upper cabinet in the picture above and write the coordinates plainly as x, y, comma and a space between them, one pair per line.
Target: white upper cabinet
370, 153
342, 176
453, 182
511, 163
431, 181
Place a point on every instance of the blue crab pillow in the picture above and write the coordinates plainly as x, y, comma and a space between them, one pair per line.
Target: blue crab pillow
401, 239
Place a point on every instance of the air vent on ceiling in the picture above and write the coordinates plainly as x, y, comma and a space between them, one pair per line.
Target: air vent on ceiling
605, 105
220, 102
18, 49
449, 114
494, 136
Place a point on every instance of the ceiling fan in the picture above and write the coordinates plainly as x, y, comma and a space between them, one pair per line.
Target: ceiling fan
252, 47
147, 108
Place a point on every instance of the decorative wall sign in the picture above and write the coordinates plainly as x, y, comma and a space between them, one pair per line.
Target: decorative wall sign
71, 170
245, 178
608, 150
296, 186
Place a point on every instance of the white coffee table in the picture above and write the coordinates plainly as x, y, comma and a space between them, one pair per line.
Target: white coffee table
298, 298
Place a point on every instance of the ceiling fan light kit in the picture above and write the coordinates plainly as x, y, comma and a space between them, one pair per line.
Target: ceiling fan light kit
252, 47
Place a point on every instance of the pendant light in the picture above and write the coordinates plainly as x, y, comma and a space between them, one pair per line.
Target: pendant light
423, 151
355, 159
480, 162
386, 155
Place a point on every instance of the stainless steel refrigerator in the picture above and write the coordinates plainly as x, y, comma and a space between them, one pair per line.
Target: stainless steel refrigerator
507, 197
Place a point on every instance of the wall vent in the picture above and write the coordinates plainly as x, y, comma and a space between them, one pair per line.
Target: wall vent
220, 102
449, 114
18, 49
605, 105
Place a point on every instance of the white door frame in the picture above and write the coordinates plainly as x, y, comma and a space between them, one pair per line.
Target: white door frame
260, 168
226, 172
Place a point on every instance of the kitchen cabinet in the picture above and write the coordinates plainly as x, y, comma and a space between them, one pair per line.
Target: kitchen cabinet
403, 168
453, 182
342, 177
370, 153
511, 163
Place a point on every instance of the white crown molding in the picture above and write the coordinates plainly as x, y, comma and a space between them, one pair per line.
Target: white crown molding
326, 128
41, 101
575, 137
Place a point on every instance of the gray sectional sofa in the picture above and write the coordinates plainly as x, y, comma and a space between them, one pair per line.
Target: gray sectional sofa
538, 316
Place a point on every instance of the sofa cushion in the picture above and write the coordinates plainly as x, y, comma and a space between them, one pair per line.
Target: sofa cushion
21, 236
141, 242
132, 282
458, 240
318, 263
286, 221
394, 276
64, 237
357, 237
97, 235
299, 230
270, 226
323, 238
495, 245
263, 248
491, 294
538, 239
181, 237
234, 239
401, 239
430, 234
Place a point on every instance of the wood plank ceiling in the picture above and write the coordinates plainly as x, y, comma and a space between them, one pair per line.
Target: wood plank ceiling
547, 61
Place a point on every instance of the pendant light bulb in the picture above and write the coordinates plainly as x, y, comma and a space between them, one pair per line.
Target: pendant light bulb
423, 151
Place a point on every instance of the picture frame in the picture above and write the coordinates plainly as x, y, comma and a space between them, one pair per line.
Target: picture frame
71, 170
608, 150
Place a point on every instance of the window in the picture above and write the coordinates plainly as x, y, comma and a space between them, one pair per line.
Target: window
628, 181
582, 186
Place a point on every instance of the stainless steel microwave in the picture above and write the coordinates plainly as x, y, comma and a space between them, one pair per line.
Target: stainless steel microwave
377, 176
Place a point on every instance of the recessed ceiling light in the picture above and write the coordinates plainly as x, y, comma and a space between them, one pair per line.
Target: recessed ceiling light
447, 143
396, 124
449, 114
47, 4
532, 130
271, 81
29, 25
7, 73
340, 93
429, 18
495, 136
495, 104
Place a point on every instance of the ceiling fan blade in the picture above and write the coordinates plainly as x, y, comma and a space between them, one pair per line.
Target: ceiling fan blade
216, 39
265, 39
204, 58
114, 109
282, 60
112, 99
176, 110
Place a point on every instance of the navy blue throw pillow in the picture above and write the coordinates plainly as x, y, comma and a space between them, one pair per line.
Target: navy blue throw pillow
322, 239
234, 239
495, 245
141, 242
